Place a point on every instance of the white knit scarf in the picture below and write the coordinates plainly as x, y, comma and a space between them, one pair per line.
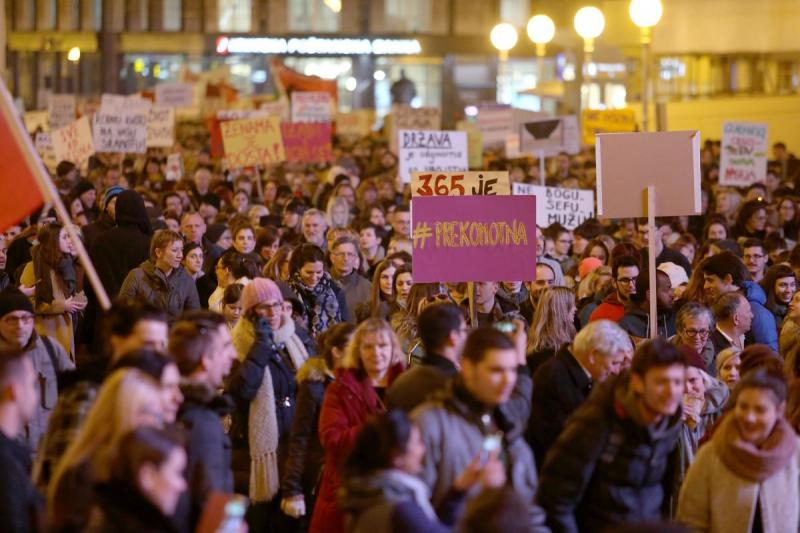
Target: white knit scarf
422, 494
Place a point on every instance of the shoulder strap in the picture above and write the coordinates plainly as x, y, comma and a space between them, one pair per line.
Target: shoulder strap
51, 351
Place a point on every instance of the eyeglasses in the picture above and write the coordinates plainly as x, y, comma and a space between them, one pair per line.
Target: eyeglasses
697, 332
12, 319
565, 241
627, 281
753, 256
348, 255
274, 307
437, 298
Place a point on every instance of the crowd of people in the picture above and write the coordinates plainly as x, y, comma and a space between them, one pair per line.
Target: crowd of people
267, 339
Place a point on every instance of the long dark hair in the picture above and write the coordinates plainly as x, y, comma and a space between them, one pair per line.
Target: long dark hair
336, 336
380, 440
771, 277
49, 238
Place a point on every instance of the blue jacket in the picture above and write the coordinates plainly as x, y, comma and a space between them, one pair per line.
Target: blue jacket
764, 330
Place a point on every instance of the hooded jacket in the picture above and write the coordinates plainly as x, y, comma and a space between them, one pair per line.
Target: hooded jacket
764, 329
173, 294
637, 322
609, 309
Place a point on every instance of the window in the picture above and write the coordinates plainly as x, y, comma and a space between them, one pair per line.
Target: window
515, 12
315, 15
235, 15
172, 15
408, 16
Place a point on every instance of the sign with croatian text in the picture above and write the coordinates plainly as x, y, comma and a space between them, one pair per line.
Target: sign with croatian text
568, 207
594, 121
490, 183
161, 127
61, 110
307, 142
743, 156
74, 142
175, 94
431, 150
311, 107
404, 117
255, 141
120, 132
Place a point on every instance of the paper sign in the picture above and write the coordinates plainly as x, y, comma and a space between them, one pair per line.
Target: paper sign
461, 238
431, 150
474, 143
743, 156
594, 121
43, 143
551, 136
240, 114
174, 94
120, 132
73, 142
279, 109
568, 207
357, 123
488, 183
311, 107
161, 127
118, 103
61, 110
627, 163
405, 117
307, 142
174, 170
36, 120
255, 141
494, 122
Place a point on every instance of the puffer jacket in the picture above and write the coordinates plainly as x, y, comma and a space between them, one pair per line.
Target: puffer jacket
637, 323
764, 329
173, 294
606, 468
453, 433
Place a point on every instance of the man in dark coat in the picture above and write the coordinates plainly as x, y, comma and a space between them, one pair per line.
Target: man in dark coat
106, 220
612, 463
564, 382
443, 331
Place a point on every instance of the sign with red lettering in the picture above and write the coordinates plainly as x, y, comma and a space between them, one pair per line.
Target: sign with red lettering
743, 155
311, 106
493, 183
74, 142
307, 142
255, 141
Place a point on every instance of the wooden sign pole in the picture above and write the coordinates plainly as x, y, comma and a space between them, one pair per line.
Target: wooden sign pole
542, 177
259, 185
473, 306
651, 258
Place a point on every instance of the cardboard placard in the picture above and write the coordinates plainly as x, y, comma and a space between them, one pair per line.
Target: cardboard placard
356, 123
43, 143
311, 106
161, 127
551, 136
307, 142
61, 110
174, 170
36, 119
118, 103
255, 141
404, 117
240, 114
594, 121
743, 155
74, 142
494, 122
431, 150
461, 238
627, 163
474, 143
474, 183
568, 207
278, 108
120, 132
175, 94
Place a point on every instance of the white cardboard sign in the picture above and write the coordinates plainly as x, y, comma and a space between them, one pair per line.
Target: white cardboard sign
311, 107
174, 94
431, 150
124, 132
161, 127
569, 207
743, 156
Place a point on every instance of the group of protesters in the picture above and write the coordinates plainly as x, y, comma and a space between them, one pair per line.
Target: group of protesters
266, 338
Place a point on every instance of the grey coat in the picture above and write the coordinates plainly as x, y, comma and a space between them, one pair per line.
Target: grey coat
357, 290
173, 294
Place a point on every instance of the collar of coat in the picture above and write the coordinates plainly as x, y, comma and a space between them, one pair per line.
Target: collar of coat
198, 394
458, 399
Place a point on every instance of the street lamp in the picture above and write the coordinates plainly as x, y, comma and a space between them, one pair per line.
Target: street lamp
73, 56
646, 14
589, 23
504, 38
541, 31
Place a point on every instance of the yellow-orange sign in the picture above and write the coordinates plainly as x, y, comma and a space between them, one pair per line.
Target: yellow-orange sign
594, 121
255, 141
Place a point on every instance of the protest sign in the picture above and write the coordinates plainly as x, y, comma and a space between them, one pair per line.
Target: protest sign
311, 107
36, 119
174, 170
480, 183
61, 110
307, 142
460, 238
568, 207
255, 141
627, 163
278, 108
73, 142
43, 143
120, 132
594, 121
550, 136
174, 94
431, 150
356, 123
494, 122
474, 142
743, 155
118, 103
404, 117
161, 127
240, 114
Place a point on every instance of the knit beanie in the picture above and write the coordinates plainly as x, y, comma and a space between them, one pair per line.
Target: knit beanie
81, 187
111, 192
588, 265
259, 291
12, 299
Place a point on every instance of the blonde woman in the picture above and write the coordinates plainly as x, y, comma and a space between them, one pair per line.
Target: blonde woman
728, 201
553, 325
128, 399
371, 363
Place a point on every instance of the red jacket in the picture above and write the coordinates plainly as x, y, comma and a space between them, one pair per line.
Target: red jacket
611, 309
349, 401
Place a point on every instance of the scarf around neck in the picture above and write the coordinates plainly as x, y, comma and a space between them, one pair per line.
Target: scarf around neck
320, 303
64, 271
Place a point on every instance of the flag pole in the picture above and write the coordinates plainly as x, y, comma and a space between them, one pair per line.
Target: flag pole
50, 194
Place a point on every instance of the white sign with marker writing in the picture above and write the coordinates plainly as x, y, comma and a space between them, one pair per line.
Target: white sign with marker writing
568, 207
422, 150
120, 132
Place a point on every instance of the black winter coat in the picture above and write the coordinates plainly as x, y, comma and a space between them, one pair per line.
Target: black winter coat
605, 469
419, 383
20, 503
123, 509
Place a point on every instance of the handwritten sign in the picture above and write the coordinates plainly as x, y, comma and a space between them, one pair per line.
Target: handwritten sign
743, 158
568, 207
119, 103
594, 121
36, 120
120, 132
311, 107
174, 170
489, 183
61, 110
43, 143
255, 141
405, 117
431, 150
357, 123
161, 127
278, 108
460, 238
551, 136
494, 122
73, 142
307, 142
175, 94
240, 114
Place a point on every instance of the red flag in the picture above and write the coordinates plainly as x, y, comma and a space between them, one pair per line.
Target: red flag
288, 81
19, 190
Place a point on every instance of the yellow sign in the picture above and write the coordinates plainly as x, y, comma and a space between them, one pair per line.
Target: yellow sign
357, 123
255, 141
490, 183
594, 121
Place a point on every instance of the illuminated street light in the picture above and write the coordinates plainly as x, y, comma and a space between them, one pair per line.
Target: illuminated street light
589, 23
504, 38
74, 54
645, 14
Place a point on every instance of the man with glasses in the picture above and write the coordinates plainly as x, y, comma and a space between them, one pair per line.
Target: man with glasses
755, 259
48, 357
562, 239
624, 273
356, 288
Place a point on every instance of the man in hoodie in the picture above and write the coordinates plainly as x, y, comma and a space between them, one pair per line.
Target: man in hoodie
636, 320
611, 464
624, 272
725, 272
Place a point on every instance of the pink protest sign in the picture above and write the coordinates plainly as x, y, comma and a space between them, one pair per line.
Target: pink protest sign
307, 142
474, 238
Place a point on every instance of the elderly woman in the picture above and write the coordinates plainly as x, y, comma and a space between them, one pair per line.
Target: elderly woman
693, 326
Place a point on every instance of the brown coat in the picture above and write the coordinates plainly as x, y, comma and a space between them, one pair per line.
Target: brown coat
52, 319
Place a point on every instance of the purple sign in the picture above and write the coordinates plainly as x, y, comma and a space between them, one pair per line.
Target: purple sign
474, 238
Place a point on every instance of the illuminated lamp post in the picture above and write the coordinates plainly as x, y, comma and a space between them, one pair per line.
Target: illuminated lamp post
646, 14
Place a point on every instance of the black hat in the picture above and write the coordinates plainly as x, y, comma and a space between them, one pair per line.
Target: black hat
82, 186
64, 168
12, 299
215, 231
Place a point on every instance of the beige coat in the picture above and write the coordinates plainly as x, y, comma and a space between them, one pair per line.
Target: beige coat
714, 499
52, 319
